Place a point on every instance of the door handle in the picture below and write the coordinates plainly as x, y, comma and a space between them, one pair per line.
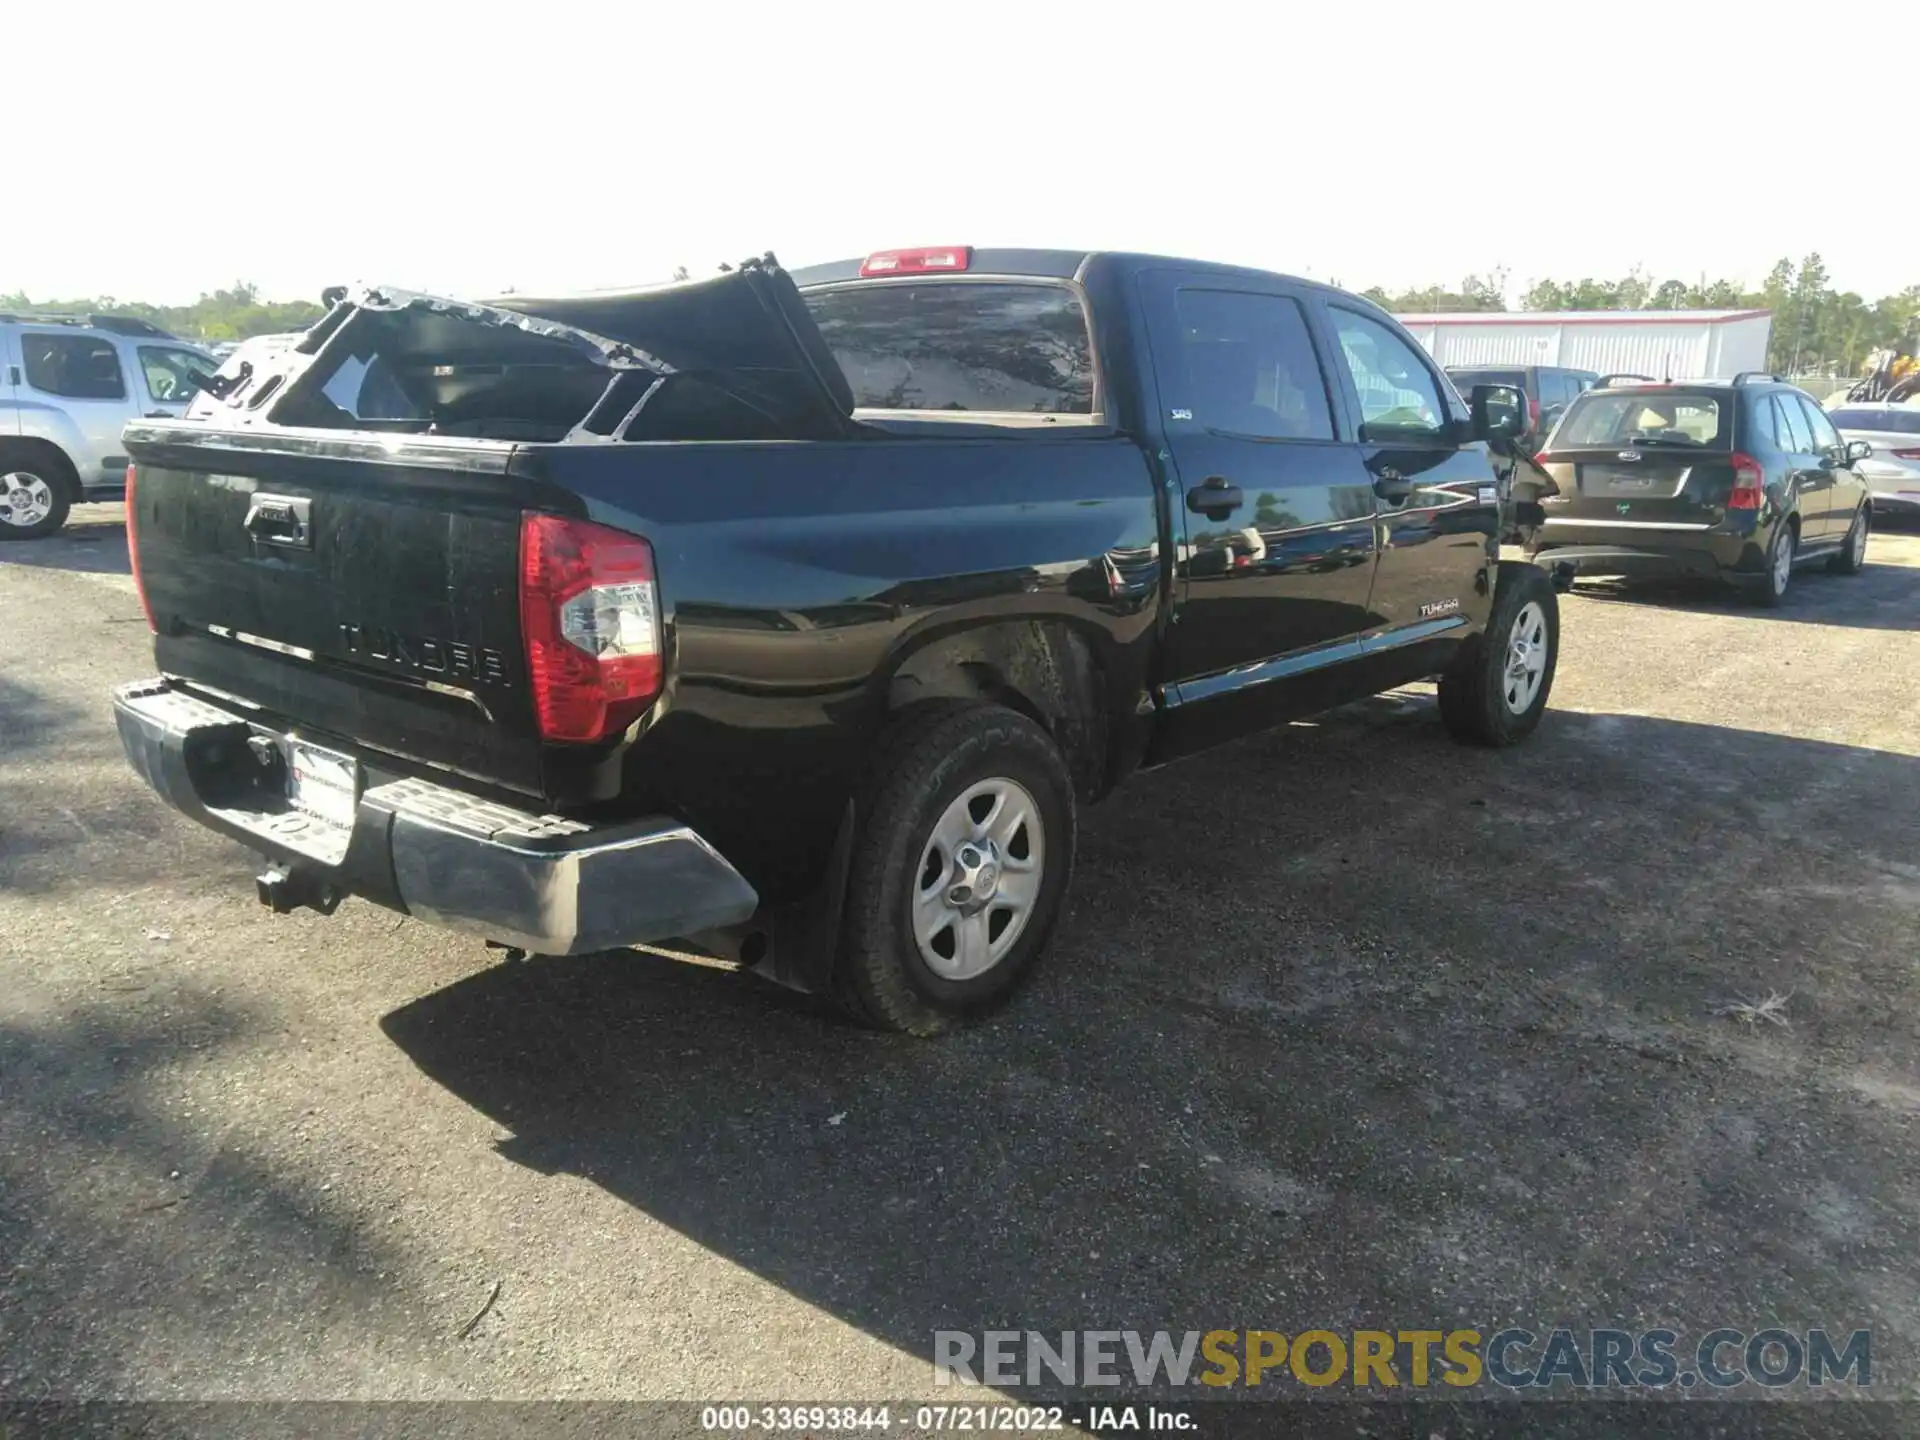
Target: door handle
1215, 497
1390, 484
280, 520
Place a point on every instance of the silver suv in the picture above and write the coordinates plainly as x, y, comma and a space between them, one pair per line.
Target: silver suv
67, 386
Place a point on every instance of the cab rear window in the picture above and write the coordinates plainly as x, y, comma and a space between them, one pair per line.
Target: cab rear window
1678, 418
960, 345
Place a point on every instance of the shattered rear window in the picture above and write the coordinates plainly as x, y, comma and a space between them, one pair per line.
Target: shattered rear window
416, 370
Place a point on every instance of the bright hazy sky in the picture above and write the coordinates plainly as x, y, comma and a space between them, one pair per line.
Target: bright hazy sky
157, 151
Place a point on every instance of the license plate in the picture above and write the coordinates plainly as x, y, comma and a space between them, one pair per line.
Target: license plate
322, 783
1606, 480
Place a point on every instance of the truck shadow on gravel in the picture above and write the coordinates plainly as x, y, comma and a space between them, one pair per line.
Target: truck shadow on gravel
1346, 1026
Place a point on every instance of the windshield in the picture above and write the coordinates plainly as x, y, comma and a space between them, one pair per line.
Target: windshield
1887, 422
960, 346
1665, 417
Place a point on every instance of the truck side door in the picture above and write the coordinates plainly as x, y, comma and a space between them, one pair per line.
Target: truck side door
1273, 510
1438, 494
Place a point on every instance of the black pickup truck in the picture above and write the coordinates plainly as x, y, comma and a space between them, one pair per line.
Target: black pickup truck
798, 614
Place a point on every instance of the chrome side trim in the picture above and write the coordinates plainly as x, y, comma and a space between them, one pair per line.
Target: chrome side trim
1628, 524
1207, 687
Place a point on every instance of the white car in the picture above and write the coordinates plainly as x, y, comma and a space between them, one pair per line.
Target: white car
1892, 472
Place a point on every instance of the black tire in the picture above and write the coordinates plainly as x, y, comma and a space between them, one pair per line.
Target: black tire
25, 465
1473, 695
1769, 589
1852, 558
929, 760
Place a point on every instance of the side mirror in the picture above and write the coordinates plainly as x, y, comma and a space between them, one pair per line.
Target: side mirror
1858, 450
1499, 412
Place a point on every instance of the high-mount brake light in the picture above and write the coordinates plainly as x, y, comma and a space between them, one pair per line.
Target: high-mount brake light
929, 260
590, 616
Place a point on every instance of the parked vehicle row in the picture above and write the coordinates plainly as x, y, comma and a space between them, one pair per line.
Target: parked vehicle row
68, 387
798, 616
1742, 480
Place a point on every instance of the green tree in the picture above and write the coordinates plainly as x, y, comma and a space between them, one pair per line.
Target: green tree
1715, 295
1816, 329
1805, 300
235, 313
1476, 292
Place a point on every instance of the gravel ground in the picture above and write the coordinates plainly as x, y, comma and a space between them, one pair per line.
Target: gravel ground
1346, 1026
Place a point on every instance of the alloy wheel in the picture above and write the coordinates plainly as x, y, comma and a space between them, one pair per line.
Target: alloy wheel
25, 499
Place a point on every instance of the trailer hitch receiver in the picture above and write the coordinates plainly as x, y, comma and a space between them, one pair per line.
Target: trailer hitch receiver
284, 890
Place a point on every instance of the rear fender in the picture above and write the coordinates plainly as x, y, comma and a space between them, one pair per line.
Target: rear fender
1047, 669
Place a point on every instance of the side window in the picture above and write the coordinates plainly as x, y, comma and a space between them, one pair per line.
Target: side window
1790, 426
1825, 437
172, 374
1396, 390
1251, 363
80, 367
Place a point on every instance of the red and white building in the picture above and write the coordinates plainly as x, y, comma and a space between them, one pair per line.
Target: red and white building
1682, 344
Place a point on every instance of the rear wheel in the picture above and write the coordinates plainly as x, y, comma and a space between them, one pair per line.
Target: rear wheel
965, 849
34, 495
1770, 588
1498, 692
1853, 551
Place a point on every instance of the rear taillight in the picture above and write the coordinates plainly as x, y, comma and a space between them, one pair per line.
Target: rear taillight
1533, 413
1906, 454
591, 618
1748, 484
133, 548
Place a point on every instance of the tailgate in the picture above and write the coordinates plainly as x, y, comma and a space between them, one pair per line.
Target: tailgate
1642, 485
365, 589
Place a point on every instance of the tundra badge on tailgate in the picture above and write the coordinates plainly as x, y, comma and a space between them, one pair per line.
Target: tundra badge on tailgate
423, 652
